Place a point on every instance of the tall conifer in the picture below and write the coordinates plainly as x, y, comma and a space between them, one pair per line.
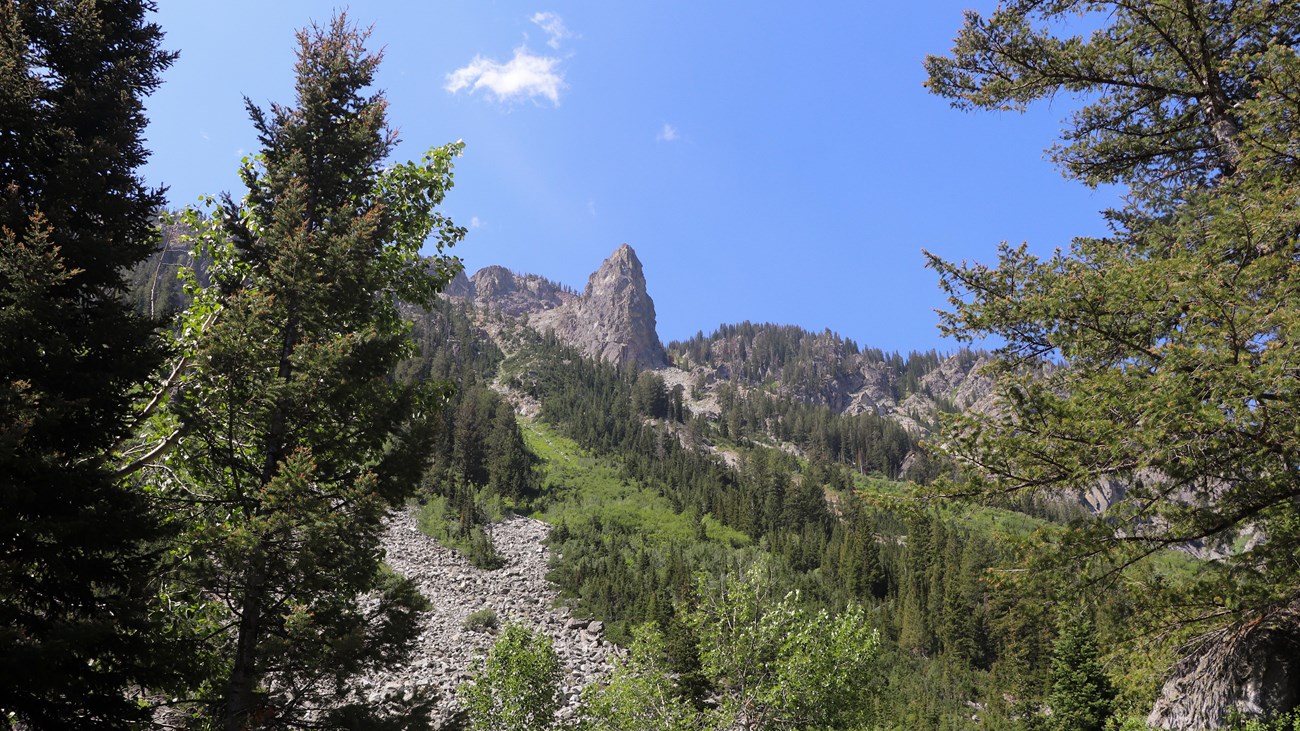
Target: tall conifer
296, 440
75, 633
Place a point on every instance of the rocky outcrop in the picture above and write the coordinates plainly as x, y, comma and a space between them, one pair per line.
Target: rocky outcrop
518, 592
501, 290
613, 318
827, 369
1249, 670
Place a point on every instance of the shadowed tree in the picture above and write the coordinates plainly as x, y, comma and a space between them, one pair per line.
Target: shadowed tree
76, 634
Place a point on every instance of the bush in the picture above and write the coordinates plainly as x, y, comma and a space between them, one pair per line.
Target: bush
517, 687
484, 620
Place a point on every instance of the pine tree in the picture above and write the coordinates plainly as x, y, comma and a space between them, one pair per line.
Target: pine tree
1081, 696
1176, 334
296, 440
510, 464
75, 535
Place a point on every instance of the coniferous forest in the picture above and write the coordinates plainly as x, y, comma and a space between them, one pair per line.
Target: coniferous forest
1082, 517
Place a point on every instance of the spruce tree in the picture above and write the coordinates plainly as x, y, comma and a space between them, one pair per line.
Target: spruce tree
1081, 696
296, 440
75, 630
510, 464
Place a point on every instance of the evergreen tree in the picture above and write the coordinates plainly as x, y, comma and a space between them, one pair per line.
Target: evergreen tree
1081, 696
1167, 84
296, 440
75, 631
1176, 334
650, 396
510, 464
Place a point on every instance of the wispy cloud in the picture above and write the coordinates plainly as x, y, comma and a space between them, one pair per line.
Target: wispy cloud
667, 134
553, 26
474, 222
525, 75
591, 207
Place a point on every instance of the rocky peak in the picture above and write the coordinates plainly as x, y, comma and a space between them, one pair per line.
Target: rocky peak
618, 315
493, 282
498, 288
613, 319
620, 272
459, 287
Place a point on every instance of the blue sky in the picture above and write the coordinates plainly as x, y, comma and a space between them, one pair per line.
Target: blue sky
767, 162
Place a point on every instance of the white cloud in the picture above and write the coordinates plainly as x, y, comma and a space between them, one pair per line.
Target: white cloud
525, 75
591, 207
474, 222
667, 134
553, 26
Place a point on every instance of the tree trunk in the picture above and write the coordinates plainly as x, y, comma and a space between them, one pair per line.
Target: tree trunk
241, 689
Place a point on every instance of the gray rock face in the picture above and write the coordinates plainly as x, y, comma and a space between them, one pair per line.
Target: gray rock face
613, 318
1248, 670
446, 650
512, 294
459, 287
824, 368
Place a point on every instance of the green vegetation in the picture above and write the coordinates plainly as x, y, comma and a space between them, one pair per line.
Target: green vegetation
208, 530
641, 693
1174, 337
517, 687
1082, 696
628, 544
292, 441
459, 526
778, 663
482, 620
79, 629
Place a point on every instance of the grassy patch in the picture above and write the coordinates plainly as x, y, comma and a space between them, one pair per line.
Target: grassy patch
581, 487
440, 522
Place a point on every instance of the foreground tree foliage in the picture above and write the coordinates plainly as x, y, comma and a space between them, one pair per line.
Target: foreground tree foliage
1166, 83
76, 635
295, 440
641, 692
777, 663
517, 686
1177, 334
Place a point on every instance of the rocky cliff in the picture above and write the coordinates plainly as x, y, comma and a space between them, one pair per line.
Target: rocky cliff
613, 318
827, 369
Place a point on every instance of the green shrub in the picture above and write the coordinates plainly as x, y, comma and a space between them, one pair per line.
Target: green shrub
445, 525
484, 620
517, 687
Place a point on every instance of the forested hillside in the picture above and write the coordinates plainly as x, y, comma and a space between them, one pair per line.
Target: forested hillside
643, 498
209, 419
